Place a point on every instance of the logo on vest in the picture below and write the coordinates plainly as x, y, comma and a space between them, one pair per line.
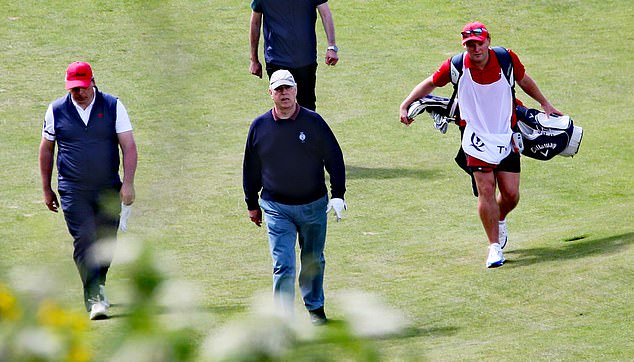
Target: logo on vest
477, 143
302, 137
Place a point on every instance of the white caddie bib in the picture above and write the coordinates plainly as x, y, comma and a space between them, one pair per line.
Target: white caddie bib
487, 110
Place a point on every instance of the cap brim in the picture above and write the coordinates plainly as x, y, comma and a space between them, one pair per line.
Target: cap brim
280, 83
70, 84
474, 37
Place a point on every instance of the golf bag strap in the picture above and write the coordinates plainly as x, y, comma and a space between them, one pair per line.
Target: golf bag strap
455, 73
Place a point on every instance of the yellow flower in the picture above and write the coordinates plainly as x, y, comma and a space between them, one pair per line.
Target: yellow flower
8, 305
78, 353
52, 315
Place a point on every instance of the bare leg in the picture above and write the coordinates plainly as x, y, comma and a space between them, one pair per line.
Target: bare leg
509, 196
488, 208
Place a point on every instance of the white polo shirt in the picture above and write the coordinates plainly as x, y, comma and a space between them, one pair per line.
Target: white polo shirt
122, 123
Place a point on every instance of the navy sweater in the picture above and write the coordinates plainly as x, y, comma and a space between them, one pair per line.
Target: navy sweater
285, 159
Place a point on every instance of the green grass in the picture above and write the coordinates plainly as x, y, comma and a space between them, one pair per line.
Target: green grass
411, 234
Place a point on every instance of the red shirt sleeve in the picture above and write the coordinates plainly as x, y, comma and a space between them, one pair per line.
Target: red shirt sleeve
442, 76
518, 67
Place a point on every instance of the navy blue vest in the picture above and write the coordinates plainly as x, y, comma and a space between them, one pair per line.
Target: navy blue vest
88, 155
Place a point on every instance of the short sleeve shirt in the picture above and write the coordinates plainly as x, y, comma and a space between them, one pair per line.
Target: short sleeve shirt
122, 123
289, 31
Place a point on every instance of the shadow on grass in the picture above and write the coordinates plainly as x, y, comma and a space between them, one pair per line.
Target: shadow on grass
573, 248
219, 309
381, 173
335, 329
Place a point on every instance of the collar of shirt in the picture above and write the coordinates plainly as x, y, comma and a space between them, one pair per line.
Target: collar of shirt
292, 117
491, 72
85, 113
492, 62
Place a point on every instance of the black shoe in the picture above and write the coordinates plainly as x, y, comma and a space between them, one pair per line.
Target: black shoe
318, 317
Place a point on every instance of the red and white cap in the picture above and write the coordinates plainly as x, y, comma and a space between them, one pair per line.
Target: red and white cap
474, 31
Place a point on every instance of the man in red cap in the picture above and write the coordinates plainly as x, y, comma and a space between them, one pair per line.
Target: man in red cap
485, 100
89, 127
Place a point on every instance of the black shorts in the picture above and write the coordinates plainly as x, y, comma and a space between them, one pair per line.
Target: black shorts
510, 164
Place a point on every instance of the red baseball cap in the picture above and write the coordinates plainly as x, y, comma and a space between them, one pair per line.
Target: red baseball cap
78, 74
474, 31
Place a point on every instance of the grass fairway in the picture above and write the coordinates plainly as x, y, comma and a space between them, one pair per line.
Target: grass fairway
411, 234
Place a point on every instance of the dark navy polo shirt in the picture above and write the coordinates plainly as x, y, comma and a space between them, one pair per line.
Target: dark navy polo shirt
289, 31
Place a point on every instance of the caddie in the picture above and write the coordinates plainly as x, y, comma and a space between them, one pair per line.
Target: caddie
486, 103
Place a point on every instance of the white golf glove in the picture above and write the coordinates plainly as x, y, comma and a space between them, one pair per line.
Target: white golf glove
126, 210
338, 205
440, 122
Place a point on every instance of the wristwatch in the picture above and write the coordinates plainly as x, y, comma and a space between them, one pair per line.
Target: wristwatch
333, 47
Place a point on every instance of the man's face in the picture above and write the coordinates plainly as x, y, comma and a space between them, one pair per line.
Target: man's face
284, 96
82, 95
478, 51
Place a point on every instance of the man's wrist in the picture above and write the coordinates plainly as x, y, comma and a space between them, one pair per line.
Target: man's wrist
333, 47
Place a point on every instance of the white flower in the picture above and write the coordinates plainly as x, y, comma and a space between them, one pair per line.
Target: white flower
369, 316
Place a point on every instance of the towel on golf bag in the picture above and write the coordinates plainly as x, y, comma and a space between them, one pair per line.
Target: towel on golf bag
544, 137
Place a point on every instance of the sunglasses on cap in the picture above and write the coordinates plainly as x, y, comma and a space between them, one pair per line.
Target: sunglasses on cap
476, 32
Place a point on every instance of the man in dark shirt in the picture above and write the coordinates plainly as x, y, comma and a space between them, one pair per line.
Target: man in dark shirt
286, 151
290, 41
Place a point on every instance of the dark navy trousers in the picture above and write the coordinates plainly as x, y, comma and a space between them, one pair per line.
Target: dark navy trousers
92, 217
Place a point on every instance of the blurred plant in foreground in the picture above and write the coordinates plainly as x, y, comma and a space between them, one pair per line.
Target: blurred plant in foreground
33, 327
164, 321
267, 335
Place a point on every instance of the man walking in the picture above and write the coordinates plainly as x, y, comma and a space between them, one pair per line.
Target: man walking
486, 104
286, 151
290, 41
88, 127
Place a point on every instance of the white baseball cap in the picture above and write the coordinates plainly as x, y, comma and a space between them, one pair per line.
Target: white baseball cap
281, 77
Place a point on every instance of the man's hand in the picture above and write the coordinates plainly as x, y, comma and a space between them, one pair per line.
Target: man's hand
404, 116
338, 205
550, 110
51, 201
256, 216
331, 57
256, 69
127, 194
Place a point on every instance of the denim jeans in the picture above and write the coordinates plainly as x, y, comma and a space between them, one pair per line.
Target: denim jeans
306, 224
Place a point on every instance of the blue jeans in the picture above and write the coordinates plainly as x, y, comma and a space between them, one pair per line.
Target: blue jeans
306, 224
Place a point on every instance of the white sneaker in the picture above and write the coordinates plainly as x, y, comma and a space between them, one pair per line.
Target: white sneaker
98, 310
102, 296
503, 237
496, 256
